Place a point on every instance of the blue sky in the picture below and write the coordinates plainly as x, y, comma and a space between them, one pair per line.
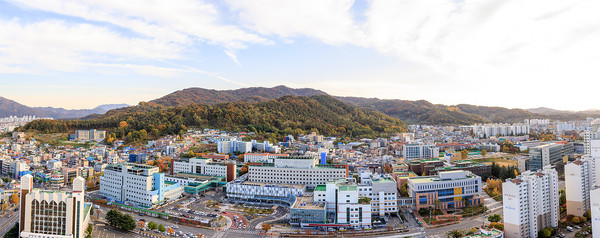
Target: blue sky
512, 53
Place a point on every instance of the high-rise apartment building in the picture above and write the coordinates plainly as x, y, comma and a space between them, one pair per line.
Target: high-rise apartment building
530, 203
580, 176
53, 214
595, 209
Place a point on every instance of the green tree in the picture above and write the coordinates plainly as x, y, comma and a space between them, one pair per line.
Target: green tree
152, 225
494, 218
404, 190
127, 223
455, 234
13, 232
113, 217
161, 228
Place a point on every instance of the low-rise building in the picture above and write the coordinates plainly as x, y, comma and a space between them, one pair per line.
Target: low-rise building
447, 190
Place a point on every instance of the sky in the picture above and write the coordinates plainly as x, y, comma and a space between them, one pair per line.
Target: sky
510, 53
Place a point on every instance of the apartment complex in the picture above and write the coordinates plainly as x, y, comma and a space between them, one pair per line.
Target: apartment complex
296, 170
530, 203
137, 184
53, 214
595, 209
204, 166
543, 155
447, 190
420, 151
580, 176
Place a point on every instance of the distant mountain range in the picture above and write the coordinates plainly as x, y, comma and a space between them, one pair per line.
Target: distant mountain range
249, 95
11, 108
411, 112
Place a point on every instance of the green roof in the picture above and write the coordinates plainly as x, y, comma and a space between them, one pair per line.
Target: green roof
320, 188
346, 188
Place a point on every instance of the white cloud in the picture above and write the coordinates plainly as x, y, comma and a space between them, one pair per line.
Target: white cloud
62, 46
326, 20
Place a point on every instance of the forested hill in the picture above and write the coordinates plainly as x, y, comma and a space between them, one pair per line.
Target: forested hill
283, 116
417, 112
249, 95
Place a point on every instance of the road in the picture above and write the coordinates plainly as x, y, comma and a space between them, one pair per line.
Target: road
6, 223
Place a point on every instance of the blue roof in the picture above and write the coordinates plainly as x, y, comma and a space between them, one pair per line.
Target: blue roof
91, 158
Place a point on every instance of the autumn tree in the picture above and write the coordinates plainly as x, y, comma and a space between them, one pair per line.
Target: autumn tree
14, 198
483, 153
464, 154
387, 168
266, 227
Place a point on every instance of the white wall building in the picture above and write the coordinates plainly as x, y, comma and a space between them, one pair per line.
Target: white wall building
137, 184
296, 170
200, 166
342, 199
383, 191
530, 203
53, 214
580, 176
595, 209
261, 158
420, 151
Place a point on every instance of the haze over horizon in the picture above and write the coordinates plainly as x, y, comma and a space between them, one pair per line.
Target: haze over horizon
515, 54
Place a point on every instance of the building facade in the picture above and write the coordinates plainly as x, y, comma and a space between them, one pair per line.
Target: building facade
447, 190
580, 177
530, 203
296, 170
53, 214
418, 151
137, 184
206, 167
544, 155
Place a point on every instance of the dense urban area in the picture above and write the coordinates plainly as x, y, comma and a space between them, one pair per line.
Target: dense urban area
536, 178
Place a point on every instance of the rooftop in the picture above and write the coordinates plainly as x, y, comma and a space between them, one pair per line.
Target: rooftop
321, 188
307, 203
346, 188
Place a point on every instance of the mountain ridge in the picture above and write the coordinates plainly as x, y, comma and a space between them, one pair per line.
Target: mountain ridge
10, 107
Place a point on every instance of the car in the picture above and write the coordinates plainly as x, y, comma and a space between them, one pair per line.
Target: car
141, 214
569, 228
577, 227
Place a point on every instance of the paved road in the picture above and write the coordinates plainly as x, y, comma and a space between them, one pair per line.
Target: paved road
6, 223
281, 212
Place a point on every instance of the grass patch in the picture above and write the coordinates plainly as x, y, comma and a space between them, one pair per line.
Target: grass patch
473, 210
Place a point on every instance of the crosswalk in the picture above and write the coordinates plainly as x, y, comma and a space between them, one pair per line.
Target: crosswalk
248, 232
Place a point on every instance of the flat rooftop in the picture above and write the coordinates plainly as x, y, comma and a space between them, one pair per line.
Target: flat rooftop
307, 203
296, 186
195, 176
